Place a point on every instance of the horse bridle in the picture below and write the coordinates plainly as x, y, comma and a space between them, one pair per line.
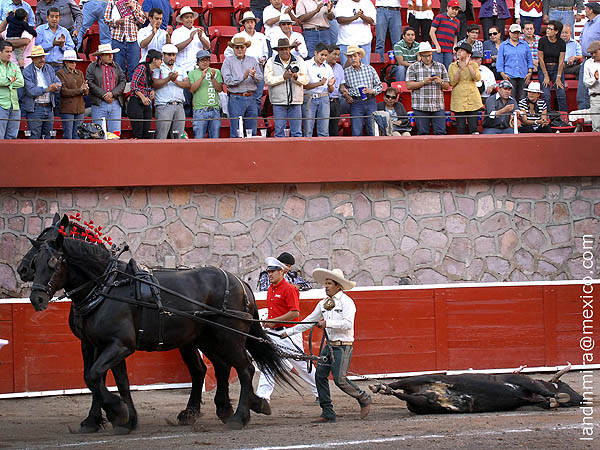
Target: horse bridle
56, 264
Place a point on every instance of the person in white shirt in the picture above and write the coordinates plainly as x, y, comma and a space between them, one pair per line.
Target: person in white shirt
591, 80
336, 315
271, 16
259, 50
316, 92
169, 82
355, 18
188, 39
487, 84
153, 37
299, 49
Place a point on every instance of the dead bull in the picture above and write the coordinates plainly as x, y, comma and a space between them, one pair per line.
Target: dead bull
473, 393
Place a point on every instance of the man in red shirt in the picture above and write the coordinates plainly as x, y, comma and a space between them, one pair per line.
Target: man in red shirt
283, 303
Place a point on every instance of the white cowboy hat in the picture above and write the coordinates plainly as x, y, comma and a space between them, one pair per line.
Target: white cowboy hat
104, 49
71, 55
170, 49
186, 10
248, 15
424, 47
534, 86
320, 275
285, 18
274, 264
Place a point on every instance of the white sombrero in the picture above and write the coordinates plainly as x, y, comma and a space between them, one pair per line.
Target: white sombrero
320, 275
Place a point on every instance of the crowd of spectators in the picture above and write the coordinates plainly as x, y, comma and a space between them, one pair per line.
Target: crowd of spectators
314, 59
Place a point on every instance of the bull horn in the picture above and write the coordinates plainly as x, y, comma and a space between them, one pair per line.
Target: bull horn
561, 373
521, 367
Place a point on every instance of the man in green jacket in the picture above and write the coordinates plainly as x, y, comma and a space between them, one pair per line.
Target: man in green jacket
10, 80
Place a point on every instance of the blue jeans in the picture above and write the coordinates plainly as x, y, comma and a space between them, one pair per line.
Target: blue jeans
387, 19
128, 56
319, 108
282, 114
365, 59
401, 72
202, 123
334, 28
362, 108
112, 112
497, 131
561, 96
239, 105
565, 17
9, 129
438, 122
70, 124
444, 58
313, 37
39, 129
93, 11
583, 95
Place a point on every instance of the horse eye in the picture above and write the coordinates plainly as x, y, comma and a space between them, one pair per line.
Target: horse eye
52, 263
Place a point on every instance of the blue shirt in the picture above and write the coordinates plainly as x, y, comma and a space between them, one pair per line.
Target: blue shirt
338, 74
46, 37
573, 49
7, 6
590, 32
165, 7
514, 60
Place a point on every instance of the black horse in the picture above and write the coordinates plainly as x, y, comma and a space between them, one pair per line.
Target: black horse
113, 327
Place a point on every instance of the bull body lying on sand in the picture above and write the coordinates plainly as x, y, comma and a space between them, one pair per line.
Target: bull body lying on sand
473, 393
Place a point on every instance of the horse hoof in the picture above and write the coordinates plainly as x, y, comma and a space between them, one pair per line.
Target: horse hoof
375, 388
121, 431
224, 414
84, 429
261, 406
233, 425
120, 417
188, 416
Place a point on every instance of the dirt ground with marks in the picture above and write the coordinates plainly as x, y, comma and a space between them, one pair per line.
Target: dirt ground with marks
44, 423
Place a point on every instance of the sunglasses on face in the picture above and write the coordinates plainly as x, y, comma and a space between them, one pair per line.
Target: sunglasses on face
391, 97
493, 33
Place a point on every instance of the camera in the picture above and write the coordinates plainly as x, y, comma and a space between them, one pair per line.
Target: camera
294, 69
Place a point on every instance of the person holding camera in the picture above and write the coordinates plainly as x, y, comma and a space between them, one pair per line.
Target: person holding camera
286, 76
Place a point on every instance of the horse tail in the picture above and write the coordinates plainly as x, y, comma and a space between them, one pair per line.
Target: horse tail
265, 353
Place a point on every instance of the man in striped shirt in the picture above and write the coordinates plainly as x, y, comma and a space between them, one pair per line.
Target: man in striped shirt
405, 52
123, 30
534, 111
444, 34
363, 85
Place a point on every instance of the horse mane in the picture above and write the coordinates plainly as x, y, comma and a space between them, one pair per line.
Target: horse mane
82, 253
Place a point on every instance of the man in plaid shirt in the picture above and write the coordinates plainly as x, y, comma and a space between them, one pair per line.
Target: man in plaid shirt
427, 79
363, 85
121, 20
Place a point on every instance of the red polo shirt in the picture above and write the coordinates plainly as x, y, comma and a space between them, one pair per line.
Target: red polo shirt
282, 298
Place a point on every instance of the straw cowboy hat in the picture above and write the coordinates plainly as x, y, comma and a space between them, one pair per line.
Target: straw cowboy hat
239, 40
320, 275
105, 49
534, 86
424, 47
352, 49
593, 47
37, 51
71, 55
248, 15
186, 10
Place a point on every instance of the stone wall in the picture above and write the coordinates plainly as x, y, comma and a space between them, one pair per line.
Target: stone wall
431, 232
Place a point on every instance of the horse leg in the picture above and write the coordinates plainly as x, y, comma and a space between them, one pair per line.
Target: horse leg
197, 369
222, 371
122, 381
117, 411
94, 421
242, 415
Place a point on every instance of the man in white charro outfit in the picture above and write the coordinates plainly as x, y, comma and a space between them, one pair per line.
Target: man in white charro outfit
336, 314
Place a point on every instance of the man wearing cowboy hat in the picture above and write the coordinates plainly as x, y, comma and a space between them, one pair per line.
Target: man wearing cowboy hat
355, 18
241, 74
54, 39
152, 36
123, 24
271, 15
591, 80
38, 100
426, 80
106, 81
296, 39
169, 82
335, 314
363, 85
285, 77
283, 303
74, 87
10, 113
259, 49
189, 39
534, 111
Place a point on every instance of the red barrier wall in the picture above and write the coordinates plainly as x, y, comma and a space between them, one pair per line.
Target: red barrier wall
397, 330
242, 161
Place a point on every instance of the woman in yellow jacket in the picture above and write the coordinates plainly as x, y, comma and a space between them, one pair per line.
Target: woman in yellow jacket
465, 101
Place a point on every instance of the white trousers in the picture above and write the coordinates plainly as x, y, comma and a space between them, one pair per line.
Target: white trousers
266, 384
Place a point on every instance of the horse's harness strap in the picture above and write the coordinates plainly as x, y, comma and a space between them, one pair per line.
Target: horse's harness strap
226, 295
